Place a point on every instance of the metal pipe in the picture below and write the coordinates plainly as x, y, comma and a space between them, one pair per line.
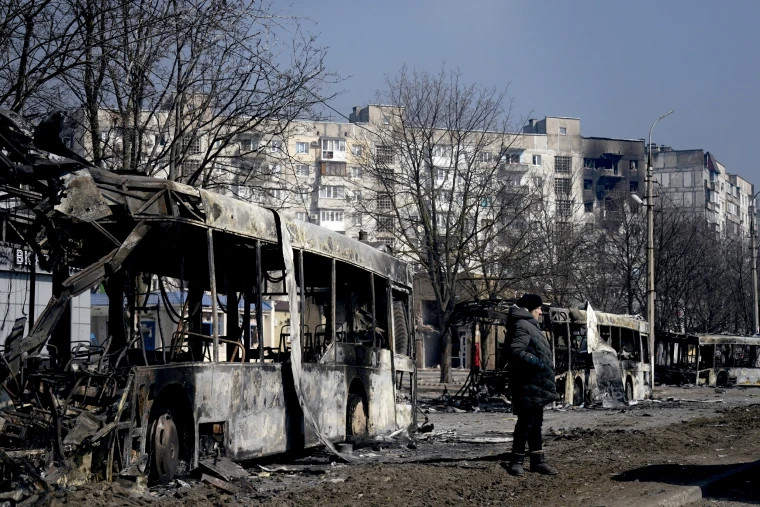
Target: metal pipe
650, 251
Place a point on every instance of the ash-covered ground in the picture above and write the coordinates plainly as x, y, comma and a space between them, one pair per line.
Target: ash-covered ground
641, 453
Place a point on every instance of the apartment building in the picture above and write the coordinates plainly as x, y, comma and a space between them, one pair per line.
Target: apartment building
588, 172
695, 181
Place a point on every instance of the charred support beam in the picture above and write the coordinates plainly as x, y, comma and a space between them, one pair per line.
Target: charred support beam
373, 310
212, 280
32, 288
194, 318
233, 313
60, 339
259, 301
302, 285
332, 310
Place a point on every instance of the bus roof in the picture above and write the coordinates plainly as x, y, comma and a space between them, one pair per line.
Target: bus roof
231, 215
710, 339
578, 316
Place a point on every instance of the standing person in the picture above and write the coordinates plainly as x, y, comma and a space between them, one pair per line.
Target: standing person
531, 382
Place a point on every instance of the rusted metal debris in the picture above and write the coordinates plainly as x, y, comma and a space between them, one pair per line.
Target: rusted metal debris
96, 411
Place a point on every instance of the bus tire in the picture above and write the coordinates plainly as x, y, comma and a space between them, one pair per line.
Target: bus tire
629, 390
165, 450
400, 330
578, 392
356, 416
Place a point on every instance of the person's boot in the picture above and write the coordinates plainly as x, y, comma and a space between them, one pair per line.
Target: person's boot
538, 464
515, 466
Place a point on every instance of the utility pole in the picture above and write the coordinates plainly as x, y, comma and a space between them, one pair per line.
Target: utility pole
753, 246
650, 251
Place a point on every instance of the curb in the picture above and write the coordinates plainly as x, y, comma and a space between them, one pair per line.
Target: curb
684, 495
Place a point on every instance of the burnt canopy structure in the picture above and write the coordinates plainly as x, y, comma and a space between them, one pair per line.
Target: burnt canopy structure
342, 367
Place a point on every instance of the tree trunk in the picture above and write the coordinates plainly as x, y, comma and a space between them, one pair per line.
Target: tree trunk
445, 355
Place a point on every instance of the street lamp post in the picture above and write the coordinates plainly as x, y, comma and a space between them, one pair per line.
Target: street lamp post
650, 250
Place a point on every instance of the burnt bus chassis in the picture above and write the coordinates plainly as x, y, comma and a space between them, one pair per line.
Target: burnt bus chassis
101, 224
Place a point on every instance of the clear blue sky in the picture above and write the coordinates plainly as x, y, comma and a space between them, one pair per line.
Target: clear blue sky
617, 65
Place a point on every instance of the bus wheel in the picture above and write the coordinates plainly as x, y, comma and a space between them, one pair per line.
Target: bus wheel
400, 331
165, 459
356, 416
578, 392
628, 390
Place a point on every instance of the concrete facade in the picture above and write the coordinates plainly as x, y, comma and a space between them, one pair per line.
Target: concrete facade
695, 181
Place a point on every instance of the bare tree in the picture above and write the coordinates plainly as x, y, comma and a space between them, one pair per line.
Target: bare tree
166, 87
615, 275
438, 183
36, 48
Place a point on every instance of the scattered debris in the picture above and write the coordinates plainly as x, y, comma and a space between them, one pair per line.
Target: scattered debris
219, 483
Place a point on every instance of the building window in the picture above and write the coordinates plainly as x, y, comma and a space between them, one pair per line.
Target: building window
440, 174
633, 186
302, 216
634, 165
563, 164
384, 154
302, 170
514, 158
331, 146
357, 150
588, 184
275, 146
485, 156
302, 147
384, 202
538, 182
333, 169
387, 241
562, 186
563, 131
334, 216
588, 207
442, 150
536, 159
192, 145
275, 193
248, 144
358, 219
357, 172
332, 191
385, 224
564, 208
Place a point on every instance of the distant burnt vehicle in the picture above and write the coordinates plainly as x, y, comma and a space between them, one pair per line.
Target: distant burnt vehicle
566, 331
344, 366
715, 360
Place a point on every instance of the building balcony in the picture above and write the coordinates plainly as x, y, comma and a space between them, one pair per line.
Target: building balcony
332, 156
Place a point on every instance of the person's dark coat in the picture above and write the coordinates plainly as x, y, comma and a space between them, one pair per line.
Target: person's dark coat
531, 373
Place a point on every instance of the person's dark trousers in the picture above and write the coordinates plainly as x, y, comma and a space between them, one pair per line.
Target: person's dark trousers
528, 429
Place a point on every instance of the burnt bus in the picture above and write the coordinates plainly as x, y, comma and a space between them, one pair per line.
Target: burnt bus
707, 359
343, 367
576, 377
